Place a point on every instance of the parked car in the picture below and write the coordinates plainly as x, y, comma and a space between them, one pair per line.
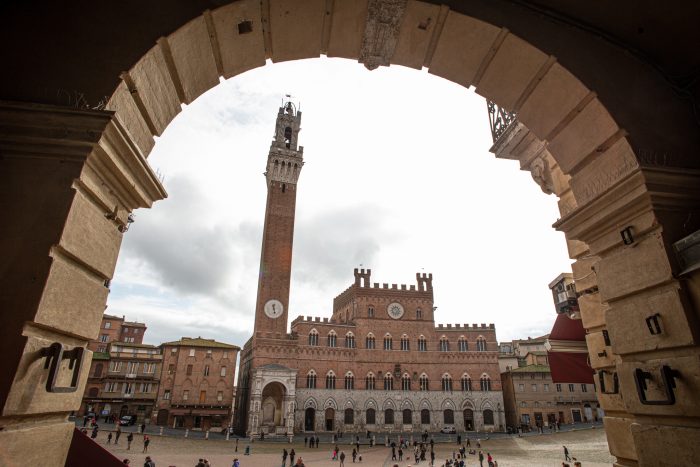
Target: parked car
448, 429
127, 420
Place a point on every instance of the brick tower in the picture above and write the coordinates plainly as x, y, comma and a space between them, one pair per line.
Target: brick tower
284, 164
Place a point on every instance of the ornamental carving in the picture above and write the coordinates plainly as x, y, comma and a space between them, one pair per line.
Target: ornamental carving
539, 169
381, 32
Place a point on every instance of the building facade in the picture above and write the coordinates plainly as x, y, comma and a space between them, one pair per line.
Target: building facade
197, 384
378, 362
117, 329
123, 381
532, 399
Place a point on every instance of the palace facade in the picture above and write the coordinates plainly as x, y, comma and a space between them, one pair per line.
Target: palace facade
378, 362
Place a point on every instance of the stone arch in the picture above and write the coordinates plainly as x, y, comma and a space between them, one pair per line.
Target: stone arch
468, 404
447, 403
551, 102
349, 403
371, 404
388, 404
486, 404
425, 404
330, 403
407, 404
310, 403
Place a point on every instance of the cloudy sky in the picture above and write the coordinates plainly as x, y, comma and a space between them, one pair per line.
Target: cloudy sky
397, 178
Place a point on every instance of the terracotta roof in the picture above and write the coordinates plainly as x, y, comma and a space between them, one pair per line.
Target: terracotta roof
532, 369
132, 344
133, 323
200, 342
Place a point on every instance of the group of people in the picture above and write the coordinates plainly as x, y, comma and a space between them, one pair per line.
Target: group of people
312, 442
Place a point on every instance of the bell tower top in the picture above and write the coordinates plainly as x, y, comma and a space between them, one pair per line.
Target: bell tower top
286, 158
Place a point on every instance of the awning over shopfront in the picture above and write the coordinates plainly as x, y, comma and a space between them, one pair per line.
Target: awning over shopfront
567, 352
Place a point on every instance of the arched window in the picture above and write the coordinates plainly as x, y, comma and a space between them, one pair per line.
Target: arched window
422, 344
480, 344
405, 343
287, 137
444, 344
369, 341
370, 382
98, 370
466, 382
370, 417
330, 380
448, 416
350, 340
349, 417
419, 314
485, 382
407, 417
405, 382
389, 417
313, 337
423, 382
488, 417
370, 312
387, 342
311, 380
425, 417
388, 382
447, 382
462, 344
349, 381
92, 392
332, 339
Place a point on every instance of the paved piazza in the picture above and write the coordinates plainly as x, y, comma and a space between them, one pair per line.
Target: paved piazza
589, 446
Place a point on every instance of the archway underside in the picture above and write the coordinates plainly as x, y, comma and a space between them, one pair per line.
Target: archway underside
563, 135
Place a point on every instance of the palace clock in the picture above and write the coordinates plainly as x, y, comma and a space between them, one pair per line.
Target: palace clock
395, 310
273, 308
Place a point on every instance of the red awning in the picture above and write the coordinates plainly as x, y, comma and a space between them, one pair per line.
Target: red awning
567, 329
84, 451
570, 367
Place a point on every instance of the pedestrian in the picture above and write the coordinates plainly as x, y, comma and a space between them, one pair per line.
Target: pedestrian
236, 463
94, 432
354, 455
126, 462
129, 439
299, 463
236, 450
459, 440
109, 438
292, 455
393, 452
478, 443
357, 444
306, 440
146, 442
432, 442
432, 457
206, 463
284, 457
400, 453
342, 459
85, 420
149, 462
143, 428
117, 434
317, 440
469, 442
489, 459
200, 463
481, 459
566, 454
335, 454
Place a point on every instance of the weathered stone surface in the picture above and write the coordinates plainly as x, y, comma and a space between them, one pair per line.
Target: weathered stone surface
417, 29
510, 71
347, 27
296, 28
592, 311
599, 354
620, 438
156, 89
666, 446
193, 58
603, 171
463, 45
381, 32
582, 135
21, 444
28, 394
647, 257
240, 50
551, 101
131, 118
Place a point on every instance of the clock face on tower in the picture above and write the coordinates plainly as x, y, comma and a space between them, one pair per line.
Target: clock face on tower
395, 310
273, 308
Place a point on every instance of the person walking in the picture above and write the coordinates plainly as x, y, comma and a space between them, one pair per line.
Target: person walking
489, 459
109, 438
342, 459
117, 434
432, 457
292, 455
566, 454
284, 457
306, 440
146, 442
94, 432
200, 463
143, 428
129, 439
481, 459
459, 440
400, 453
236, 463
469, 442
354, 455
149, 462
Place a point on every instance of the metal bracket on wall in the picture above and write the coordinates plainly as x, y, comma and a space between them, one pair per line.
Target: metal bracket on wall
601, 380
54, 355
668, 377
654, 324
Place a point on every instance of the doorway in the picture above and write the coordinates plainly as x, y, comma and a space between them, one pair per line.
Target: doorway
468, 415
330, 419
309, 419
